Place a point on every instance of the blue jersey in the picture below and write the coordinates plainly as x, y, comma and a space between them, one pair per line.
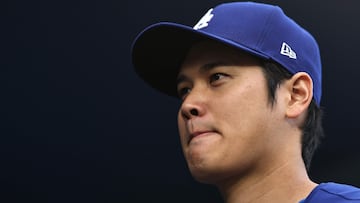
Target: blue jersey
333, 193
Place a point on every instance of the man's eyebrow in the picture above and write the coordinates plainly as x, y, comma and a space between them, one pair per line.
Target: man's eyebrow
204, 68
181, 78
210, 66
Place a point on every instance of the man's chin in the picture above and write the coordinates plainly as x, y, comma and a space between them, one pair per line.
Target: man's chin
204, 175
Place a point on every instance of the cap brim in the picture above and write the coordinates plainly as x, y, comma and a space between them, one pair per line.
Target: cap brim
158, 52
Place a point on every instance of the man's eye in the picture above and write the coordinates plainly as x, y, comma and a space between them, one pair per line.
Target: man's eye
216, 77
182, 92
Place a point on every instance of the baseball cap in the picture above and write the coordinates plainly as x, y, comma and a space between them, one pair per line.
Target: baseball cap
259, 29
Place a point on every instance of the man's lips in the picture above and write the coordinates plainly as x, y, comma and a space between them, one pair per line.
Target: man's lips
198, 128
199, 133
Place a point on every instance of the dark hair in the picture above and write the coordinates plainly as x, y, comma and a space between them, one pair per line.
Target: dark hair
312, 130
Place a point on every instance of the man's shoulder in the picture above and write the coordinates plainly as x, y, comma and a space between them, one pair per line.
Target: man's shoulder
334, 193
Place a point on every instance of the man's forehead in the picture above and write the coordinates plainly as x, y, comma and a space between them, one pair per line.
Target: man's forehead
210, 52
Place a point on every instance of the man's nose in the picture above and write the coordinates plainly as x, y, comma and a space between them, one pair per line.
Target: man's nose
193, 105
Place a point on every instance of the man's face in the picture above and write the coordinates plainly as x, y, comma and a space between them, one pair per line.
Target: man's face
226, 123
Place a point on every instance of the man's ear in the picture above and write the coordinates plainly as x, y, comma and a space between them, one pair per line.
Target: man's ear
301, 91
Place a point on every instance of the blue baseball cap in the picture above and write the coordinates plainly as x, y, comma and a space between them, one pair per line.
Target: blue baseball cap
259, 29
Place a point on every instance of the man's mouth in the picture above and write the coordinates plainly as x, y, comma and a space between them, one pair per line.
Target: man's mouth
199, 133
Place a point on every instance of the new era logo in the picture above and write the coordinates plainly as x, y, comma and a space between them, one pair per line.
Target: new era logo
287, 51
204, 21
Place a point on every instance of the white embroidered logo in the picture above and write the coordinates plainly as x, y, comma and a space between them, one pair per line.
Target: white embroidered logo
204, 21
287, 51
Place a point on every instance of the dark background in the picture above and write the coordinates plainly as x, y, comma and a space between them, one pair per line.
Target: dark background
77, 125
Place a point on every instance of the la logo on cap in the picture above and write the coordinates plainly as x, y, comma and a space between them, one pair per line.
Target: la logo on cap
204, 21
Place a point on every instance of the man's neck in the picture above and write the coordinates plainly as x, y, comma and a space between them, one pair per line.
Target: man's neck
285, 183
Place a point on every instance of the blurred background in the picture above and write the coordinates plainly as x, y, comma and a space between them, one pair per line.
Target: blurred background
77, 125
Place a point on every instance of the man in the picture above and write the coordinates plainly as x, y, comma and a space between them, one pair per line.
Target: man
249, 79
